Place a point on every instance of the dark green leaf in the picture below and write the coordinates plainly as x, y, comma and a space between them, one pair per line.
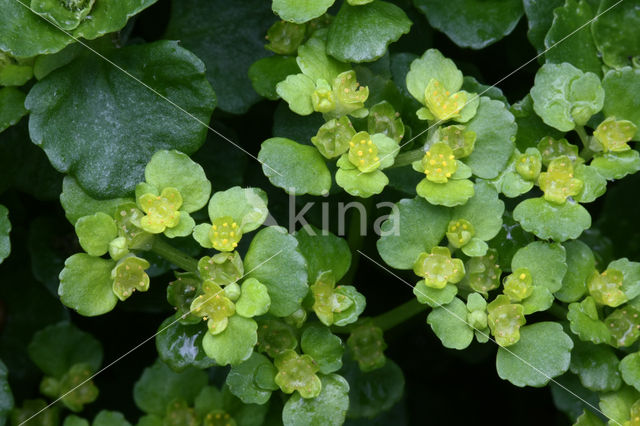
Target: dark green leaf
102, 126
180, 345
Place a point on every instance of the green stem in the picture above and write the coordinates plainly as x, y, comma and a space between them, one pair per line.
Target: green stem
399, 314
173, 255
586, 152
407, 158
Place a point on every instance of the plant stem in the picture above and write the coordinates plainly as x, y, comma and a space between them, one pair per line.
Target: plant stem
173, 255
586, 152
399, 314
407, 158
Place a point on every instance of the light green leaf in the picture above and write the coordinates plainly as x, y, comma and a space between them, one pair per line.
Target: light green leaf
11, 107
545, 261
597, 367
450, 194
580, 265
631, 273
630, 369
617, 405
95, 232
560, 222
271, 252
531, 128
570, 43
472, 23
254, 299
352, 313
434, 297
540, 299
594, 184
616, 165
484, 211
300, 11
5, 229
296, 90
58, 347
24, 34
316, 64
86, 285
327, 409
77, 203
584, 322
564, 96
587, 418
614, 33
267, 72
416, 228
324, 347
617, 102
235, 344
449, 323
252, 380
323, 251
173, 169
247, 206
180, 345
432, 65
159, 385
361, 184
373, 392
212, 29
298, 169
495, 130
362, 33
542, 353
73, 111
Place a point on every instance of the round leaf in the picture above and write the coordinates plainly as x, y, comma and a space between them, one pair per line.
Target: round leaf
545, 261
298, 169
614, 33
484, 210
570, 43
77, 203
374, 391
267, 72
616, 165
617, 102
74, 112
597, 367
362, 33
247, 206
300, 11
580, 265
159, 385
86, 285
324, 347
495, 130
449, 323
180, 345
472, 23
235, 344
252, 380
323, 251
58, 347
542, 353
327, 409
254, 299
630, 369
110, 418
173, 169
11, 107
24, 34
274, 260
95, 232
559, 222
416, 228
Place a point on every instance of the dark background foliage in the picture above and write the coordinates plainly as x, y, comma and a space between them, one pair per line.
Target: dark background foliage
442, 386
